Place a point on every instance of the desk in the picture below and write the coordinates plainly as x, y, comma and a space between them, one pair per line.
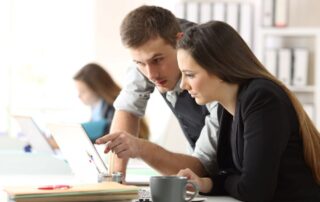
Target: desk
64, 177
15, 163
32, 180
67, 179
4, 198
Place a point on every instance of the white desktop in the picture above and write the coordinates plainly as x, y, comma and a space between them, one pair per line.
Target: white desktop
19, 168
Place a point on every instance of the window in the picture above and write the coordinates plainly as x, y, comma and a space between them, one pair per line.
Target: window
46, 42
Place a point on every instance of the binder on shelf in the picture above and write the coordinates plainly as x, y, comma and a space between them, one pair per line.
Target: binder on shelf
205, 12
105, 191
300, 67
270, 61
268, 12
192, 13
281, 13
219, 11
285, 64
232, 13
245, 28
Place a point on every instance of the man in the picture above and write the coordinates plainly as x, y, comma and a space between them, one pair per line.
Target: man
150, 33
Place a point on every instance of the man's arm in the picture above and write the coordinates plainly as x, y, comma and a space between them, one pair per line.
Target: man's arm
169, 163
125, 146
130, 105
123, 121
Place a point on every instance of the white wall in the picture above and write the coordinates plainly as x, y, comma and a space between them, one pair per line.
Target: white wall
54, 38
44, 43
4, 62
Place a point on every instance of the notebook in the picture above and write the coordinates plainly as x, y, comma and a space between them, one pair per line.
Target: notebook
107, 191
37, 139
84, 159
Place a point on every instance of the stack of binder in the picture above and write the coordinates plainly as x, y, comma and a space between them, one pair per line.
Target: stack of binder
106, 191
290, 65
238, 15
275, 13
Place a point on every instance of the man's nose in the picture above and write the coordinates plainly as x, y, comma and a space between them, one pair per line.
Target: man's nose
152, 72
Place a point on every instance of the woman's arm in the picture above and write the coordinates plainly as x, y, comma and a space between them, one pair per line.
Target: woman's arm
205, 184
264, 127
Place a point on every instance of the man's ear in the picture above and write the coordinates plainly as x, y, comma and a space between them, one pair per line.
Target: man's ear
179, 35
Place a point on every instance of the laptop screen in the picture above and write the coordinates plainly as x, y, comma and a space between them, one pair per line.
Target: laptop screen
35, 136
84, 159
78, 150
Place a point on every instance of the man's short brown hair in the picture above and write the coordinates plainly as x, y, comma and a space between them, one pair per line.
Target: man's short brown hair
147, 22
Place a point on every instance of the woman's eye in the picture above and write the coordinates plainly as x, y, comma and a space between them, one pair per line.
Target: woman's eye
190, 75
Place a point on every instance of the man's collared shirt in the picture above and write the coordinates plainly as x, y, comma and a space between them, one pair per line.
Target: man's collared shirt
134, 98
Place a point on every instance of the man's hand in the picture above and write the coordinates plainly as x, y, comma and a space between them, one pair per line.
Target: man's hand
123, 144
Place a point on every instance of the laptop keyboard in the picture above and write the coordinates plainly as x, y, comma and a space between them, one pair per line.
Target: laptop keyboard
144, 195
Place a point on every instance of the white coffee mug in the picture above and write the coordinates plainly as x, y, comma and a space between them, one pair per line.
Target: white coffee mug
171, 189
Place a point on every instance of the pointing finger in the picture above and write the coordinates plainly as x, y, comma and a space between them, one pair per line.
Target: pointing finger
107, 138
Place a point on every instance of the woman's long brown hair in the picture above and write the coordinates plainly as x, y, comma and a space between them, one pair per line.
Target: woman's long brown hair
219, 49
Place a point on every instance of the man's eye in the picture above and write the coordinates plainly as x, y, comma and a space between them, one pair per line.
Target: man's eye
139, 63
157, 60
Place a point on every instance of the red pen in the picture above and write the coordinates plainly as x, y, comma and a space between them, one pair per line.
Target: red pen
53, 187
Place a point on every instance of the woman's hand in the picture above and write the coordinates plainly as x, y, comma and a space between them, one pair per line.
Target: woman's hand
205, 184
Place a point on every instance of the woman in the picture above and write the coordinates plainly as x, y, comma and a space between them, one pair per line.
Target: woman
97, 89
268, 148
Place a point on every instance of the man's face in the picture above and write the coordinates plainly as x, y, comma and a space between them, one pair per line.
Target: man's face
157, 60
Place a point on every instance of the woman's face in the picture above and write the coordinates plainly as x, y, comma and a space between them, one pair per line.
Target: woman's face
86, 95
201, 85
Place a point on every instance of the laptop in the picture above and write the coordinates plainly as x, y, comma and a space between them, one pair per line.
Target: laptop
36, 138
83, 157
77, 149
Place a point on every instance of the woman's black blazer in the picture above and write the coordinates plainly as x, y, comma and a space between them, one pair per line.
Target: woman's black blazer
260, 150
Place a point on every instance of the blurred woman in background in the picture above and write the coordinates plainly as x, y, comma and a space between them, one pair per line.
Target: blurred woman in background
97, 89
